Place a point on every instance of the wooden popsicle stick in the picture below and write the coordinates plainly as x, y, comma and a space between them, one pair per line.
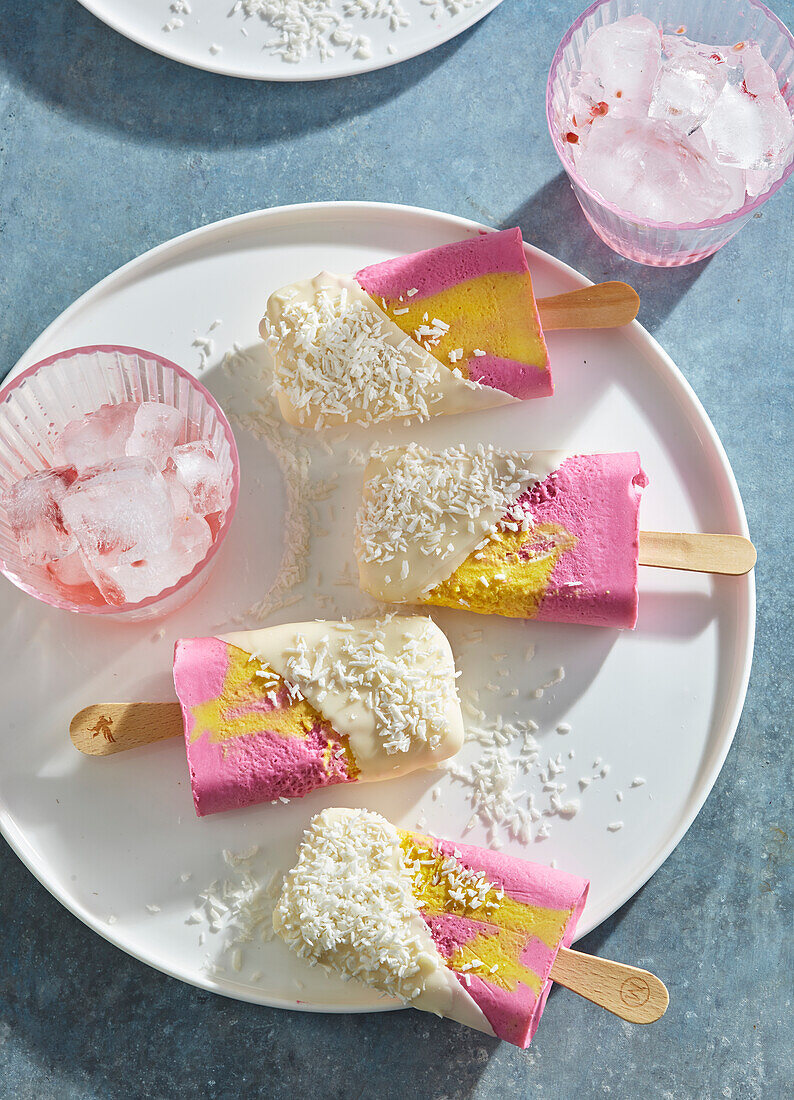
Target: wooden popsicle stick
605, 305
105, 728
633, 994
730, 554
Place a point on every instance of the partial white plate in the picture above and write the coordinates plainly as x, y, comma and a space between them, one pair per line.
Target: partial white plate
109, 837
212, 35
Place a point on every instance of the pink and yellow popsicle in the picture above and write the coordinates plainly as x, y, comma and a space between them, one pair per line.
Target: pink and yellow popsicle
460, 931
446, 330
532, 535
273, 714
481, 290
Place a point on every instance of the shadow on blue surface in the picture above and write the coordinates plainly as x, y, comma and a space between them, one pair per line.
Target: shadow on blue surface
71, 61
553, 220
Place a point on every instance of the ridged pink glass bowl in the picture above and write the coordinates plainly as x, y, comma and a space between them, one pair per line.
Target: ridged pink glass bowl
41, 401
662, 244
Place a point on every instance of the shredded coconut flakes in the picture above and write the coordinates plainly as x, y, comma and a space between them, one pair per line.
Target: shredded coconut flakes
422, 497
336, 362
408, 699
348, 906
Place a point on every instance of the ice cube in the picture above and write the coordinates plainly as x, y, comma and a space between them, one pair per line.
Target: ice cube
121, 514
155, 430
759, 76
678, 46
648, 168
192, 540
625, 56
759, 181
139, 429
687, 86
751, 127
98, 437
586, 99
181, 500
132, 581
735, 178
70, 570
33, 505
199, 471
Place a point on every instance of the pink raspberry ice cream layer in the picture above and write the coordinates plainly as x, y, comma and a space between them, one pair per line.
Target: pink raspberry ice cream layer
597, 499
515, 1014
517, 379
436, 269
258, 764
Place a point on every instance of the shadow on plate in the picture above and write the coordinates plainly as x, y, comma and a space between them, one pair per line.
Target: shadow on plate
674, 614
74, 62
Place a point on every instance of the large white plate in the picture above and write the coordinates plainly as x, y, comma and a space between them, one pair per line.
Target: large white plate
215, 37
109, 837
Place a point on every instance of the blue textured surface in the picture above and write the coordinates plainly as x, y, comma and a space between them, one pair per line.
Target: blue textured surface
108, 150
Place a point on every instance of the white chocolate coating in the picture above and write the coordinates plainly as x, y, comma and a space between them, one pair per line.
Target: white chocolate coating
424, 512
388, 684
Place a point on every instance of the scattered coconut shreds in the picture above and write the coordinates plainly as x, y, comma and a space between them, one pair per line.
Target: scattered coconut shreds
556, 678
206, 344
497, 783
638, 781
615, 826
240, 908
153, 908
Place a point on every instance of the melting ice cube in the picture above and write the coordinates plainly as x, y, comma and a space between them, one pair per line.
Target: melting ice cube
647, 167
688, 83
130, 582
751, 126
192, 540
625, 56
199, 471
122, 517
680, 47
98, 437
139, 429
33, 505
155, 430
70, 570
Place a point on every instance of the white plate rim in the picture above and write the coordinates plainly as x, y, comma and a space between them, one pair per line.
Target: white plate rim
279, 216
214, 64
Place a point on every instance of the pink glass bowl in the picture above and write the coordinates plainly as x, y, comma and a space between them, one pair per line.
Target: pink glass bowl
663, 244
40, 402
